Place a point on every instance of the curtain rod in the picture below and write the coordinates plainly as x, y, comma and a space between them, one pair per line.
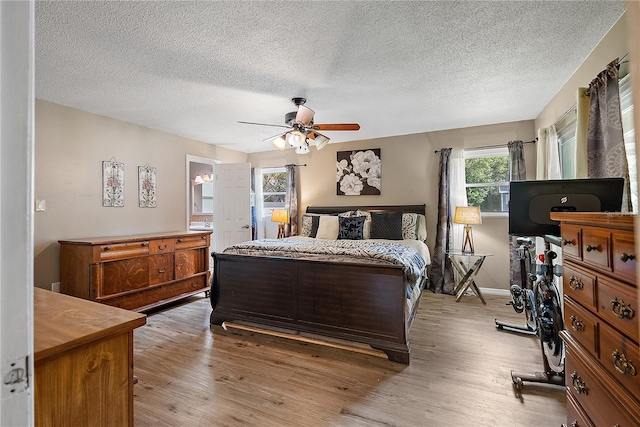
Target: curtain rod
494, 146
304, 164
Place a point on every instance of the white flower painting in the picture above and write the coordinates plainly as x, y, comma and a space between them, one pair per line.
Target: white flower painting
358, 172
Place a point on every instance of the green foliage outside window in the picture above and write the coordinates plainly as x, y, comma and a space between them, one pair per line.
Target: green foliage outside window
485, 178
274, 187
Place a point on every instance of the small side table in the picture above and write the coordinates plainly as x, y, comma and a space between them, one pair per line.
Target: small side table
468, 271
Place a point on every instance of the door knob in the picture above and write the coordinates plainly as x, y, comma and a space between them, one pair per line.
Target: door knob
245, 226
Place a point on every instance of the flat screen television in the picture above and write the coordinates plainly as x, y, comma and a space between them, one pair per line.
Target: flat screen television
531, 202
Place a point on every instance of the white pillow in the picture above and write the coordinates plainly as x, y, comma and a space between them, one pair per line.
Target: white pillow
422, 227
328, 227
366, 230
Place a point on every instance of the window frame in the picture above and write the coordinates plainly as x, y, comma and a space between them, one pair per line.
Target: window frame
272, 205
480, 152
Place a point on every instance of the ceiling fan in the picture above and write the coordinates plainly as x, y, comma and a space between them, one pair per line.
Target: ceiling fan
303, 132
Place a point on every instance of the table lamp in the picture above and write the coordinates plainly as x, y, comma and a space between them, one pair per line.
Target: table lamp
280, 216
467, 215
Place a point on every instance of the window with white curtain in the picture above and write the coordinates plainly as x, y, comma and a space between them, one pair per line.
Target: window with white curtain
628, 129
487, 178
566, 131
274, 187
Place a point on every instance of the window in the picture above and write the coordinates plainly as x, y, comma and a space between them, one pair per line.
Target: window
487, 178
274, 187
566, 130
628, 128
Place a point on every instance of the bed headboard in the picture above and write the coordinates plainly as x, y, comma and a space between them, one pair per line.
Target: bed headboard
334, 210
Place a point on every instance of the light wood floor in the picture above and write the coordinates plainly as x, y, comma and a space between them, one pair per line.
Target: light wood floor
191, 374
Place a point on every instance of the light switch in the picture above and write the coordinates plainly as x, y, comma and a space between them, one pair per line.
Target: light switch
41, 205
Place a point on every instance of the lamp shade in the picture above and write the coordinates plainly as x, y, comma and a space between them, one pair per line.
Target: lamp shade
467, 215
295, 138
279, 143
280, 215
321, 141
303, 149
304, 115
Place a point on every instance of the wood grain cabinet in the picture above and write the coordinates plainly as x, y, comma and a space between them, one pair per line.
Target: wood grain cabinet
137, 272
602, 366
83, 362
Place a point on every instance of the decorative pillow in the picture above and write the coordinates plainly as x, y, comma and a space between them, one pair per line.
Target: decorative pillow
351, 228
366, 214
315, 223
366, 230
347, 214
410, 226
422, 227
386, 225
307, 223
328, 227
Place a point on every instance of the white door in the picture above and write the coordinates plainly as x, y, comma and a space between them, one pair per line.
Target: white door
232, 222
16, 215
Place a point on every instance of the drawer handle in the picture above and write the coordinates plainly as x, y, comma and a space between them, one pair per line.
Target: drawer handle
162, 248
143, 244
621, 363
621, 309
590, 248
566, 242
179, 240
164, 270
624, 257
576, 324
578, 385
575, 283
107, 248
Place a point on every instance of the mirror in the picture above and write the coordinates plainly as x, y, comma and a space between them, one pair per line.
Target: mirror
200, 192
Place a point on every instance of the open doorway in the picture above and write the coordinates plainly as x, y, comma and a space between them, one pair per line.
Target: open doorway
200, 194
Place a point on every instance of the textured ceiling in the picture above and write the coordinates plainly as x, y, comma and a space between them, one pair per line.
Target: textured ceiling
195, 68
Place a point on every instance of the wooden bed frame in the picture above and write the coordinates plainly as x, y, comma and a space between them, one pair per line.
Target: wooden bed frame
362, 303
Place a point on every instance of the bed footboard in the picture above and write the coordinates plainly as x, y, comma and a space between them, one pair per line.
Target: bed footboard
357, 302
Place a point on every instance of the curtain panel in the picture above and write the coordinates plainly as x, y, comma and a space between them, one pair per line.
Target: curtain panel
291, 201
606, 155
517, 172
441, 279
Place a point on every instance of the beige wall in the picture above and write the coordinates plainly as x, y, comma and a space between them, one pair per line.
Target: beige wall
613, 45
410, 176
70, 146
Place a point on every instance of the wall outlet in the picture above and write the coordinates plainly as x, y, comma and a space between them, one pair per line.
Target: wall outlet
41, 205
55, 286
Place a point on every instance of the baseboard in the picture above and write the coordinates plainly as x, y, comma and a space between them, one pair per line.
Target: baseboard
495, 291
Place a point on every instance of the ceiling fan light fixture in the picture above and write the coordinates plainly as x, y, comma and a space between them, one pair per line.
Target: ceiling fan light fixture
279, 143
303, 149
295, 138
304, 115
321, 141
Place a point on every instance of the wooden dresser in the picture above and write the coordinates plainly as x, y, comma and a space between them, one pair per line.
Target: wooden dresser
137, 272
83, 361
601, 319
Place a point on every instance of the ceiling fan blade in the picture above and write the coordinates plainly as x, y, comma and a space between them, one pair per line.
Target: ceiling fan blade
304, 115
336, 126
264, 124
274, 136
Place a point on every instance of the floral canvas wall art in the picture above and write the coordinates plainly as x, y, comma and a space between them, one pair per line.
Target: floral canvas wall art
146, 186
358, 172
112, 183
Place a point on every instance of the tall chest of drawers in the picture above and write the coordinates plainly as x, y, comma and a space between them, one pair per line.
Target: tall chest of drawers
136, 272
601, 319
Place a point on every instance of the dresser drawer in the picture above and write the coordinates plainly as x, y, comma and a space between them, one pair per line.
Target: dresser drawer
161, 268
189, 242
124, 275
571, 242
161, 246
624, 259
595, 247
599, 405
582, 325
575, 414
618, 305
121, 250
619, 355
579, 284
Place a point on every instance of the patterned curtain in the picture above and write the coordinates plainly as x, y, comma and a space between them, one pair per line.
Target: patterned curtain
291, 201
606, 155
441, 278
517, 172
